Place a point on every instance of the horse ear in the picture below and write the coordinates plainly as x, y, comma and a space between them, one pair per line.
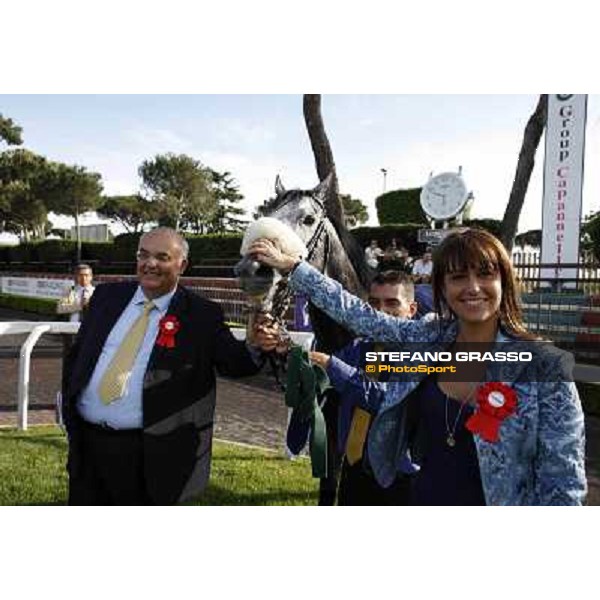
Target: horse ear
279, 189
321, 190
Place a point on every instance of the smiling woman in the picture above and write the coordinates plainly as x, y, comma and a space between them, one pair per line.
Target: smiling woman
513, 436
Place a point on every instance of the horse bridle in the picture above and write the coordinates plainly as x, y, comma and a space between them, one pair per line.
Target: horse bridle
283, 294
312, 244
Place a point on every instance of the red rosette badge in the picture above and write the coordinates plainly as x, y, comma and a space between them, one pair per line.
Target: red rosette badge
495, 402
168, 326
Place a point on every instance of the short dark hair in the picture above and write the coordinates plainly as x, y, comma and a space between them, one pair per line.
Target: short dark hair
400, 278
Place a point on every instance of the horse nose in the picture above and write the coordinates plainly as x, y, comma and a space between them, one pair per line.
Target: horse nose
246, 267
238, 269
255, 279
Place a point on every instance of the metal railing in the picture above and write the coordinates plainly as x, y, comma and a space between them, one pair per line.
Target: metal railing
36, 329
586, 275
567, 311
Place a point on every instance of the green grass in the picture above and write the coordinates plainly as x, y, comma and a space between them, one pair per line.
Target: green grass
32, 472
43, 306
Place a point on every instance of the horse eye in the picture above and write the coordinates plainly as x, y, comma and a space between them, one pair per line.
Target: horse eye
309, 220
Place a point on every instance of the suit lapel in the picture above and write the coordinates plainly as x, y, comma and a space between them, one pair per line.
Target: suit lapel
177, 308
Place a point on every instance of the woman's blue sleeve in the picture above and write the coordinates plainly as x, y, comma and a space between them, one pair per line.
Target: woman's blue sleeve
351, 312
560, 459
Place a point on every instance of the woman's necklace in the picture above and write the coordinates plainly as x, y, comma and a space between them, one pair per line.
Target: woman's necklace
451, 433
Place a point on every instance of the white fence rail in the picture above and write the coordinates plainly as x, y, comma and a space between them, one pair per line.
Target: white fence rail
36, 329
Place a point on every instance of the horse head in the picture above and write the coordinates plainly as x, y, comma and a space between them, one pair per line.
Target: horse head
305, 225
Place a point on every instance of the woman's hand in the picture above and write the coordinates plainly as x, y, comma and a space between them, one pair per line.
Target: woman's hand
266, 252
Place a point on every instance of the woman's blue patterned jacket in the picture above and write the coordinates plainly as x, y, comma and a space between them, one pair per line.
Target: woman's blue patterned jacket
539, 457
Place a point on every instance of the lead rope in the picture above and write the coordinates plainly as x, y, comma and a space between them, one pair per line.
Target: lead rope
282, 300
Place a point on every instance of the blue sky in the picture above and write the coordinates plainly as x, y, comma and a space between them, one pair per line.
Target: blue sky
258, 136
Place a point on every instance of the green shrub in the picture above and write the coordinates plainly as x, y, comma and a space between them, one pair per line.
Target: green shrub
98, 251
494, 226
4, 253
40, 306
400, 206
202, 247
214, 245
405, 235
20, 253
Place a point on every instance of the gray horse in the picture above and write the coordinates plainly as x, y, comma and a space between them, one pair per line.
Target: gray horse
332, 250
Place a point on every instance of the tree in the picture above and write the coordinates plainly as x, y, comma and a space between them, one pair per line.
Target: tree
227, 195
24, 189
591, 234
75, 191
180, 185
322, 152
531, 139
133, 212
533, 238
10, 132
354, 210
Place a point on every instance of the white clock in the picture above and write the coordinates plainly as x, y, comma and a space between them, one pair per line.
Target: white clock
444, 196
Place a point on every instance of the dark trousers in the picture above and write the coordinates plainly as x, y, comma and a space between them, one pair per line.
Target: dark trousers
328, 485
110, 468
359, 488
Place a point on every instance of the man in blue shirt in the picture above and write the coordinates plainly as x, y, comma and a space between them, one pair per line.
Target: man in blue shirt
139, 383
391, 292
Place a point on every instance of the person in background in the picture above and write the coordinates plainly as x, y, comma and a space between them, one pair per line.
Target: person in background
393, 293
76, 298
373, 254
422, 268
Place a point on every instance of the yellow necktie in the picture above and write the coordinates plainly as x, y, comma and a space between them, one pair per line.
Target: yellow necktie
359, 427
361, 420
114, 380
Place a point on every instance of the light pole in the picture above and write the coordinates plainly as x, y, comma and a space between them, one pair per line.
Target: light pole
384, 171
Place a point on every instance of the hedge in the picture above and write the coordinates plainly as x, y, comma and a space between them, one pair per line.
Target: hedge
204, 249
40, 306
400, 206
211, 246
407, 234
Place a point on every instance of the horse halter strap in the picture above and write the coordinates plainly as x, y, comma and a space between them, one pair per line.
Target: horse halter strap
283, 293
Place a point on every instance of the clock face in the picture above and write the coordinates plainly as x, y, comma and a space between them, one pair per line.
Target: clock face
444, 196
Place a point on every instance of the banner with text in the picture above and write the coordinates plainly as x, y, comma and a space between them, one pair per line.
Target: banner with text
34, 288
563, 184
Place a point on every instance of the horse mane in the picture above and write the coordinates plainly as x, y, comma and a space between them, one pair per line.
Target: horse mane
272, 204
355, 253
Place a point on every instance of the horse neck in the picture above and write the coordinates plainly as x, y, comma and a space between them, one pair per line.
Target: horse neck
336, 264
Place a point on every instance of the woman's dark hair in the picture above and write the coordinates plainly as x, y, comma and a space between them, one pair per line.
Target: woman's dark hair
479, 249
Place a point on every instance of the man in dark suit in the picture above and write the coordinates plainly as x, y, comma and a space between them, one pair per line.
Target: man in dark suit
139, 383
